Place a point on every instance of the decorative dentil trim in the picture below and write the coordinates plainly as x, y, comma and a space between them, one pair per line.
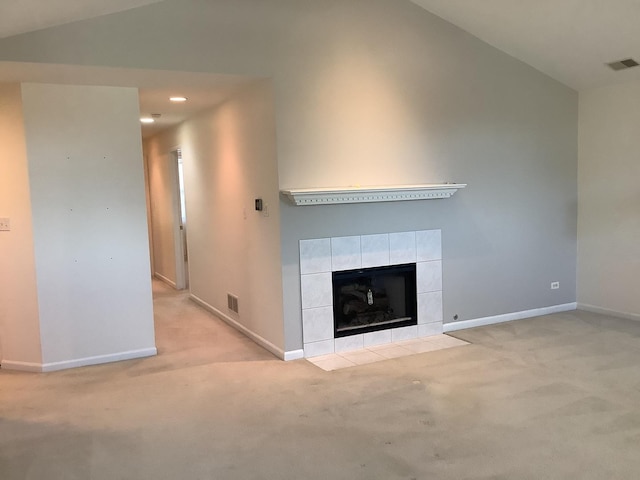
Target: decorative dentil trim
384, 193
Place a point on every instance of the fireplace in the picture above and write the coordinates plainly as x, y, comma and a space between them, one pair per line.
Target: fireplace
415, 313
372, 299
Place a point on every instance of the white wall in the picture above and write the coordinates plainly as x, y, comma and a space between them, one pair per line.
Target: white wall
609, 200
162, 194
19, 324
229, 161
378, 92
89, 223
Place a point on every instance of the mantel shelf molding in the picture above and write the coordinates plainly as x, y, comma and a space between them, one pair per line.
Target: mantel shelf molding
383, 193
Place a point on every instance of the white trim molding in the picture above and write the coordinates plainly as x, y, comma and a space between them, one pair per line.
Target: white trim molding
508, 317
79, 362
383, 193
21, 366
293, 355
166, 280
608, 311
263, 342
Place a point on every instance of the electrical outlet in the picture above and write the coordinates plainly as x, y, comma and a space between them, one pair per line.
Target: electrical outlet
5, 225
265, 209
555, 285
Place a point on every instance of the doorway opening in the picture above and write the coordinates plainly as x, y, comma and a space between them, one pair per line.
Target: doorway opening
180, 222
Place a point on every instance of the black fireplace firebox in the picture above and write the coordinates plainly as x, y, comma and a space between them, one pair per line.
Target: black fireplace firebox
371, 299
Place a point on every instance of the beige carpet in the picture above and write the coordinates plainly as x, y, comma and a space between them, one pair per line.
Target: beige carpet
557, 397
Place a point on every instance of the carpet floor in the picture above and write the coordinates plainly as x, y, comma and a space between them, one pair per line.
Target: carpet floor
554, 397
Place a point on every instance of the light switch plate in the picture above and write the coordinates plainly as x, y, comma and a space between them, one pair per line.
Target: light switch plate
5, 225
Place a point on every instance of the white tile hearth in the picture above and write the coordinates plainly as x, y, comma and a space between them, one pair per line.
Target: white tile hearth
379, 353
320, 257
390, 351
332, 362
363, 357
448, 341
422, 347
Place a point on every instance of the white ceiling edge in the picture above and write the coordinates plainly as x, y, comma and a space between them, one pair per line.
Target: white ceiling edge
19, 72
21, 16
204, 90
569, 40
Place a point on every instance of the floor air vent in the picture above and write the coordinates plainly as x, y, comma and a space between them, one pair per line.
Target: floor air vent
232, 303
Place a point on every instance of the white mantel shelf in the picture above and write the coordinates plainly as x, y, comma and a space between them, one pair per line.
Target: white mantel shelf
383, 193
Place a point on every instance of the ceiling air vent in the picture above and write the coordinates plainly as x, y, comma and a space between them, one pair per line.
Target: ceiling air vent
623, 64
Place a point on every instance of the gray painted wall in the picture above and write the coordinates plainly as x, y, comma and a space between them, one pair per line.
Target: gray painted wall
376, 92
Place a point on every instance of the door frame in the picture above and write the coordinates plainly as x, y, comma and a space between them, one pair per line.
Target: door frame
179, 232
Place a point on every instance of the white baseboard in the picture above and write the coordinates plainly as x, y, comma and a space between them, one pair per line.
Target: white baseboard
293, 355
263, 342
607, 311
169, 282
79, 362
508, 317
21, 366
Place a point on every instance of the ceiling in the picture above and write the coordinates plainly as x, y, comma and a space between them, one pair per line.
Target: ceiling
202, 90
20, 16
570, 40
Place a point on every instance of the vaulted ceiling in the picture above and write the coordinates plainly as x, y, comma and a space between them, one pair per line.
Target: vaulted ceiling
570, 40
21, 16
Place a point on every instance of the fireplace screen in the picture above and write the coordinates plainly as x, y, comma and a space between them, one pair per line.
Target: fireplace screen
371, 299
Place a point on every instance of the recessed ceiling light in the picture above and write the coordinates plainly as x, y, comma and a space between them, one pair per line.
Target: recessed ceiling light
147, 120
178, 99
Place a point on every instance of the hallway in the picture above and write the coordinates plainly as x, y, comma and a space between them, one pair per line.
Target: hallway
187, 335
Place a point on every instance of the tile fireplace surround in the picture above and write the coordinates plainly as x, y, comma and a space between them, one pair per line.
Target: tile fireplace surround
320, 257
